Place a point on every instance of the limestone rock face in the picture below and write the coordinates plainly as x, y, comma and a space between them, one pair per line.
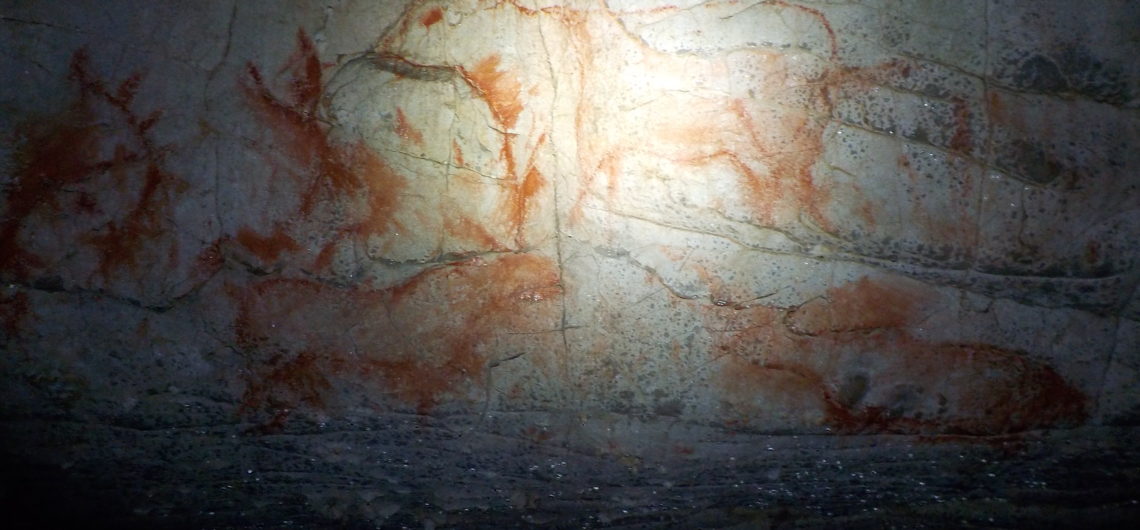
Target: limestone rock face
482, 263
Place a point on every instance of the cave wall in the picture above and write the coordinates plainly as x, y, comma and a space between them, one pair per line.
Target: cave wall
627, 235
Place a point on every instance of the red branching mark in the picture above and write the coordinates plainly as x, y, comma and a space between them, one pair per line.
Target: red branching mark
14, 312
501, 91
498, 88
849, 359
120, 241
328, 171
790, 170
431, 17
420, 342
523, 191
305, 70
267, 248
381, 183
963, 138
406, 131
63, 152
320, 165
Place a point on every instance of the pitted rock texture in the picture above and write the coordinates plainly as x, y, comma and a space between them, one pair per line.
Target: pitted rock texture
633, 237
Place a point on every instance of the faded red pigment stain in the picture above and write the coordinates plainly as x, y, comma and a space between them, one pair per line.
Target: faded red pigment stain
119, 243
537, 434
420, 343
500, 89
464, 228
857, 306
1092, 253
610, 166
51, 158
328, 172
431, 17
963, 138
850, 360
286, 383
496, 82
866, 212
1000, 392
266, 248
790, 174
125, 198
1002, 109
406, 131
457, 153
521, 197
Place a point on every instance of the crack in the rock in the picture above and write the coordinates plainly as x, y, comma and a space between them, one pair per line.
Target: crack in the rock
958, 278
404, 67
30, 22
488, 369
101, 294
660, 279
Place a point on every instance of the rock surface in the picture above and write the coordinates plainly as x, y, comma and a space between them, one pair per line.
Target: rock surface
571, 263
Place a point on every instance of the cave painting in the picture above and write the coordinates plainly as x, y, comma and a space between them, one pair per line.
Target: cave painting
751, 122
92, 203
427, 340
850, 361
468, 221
